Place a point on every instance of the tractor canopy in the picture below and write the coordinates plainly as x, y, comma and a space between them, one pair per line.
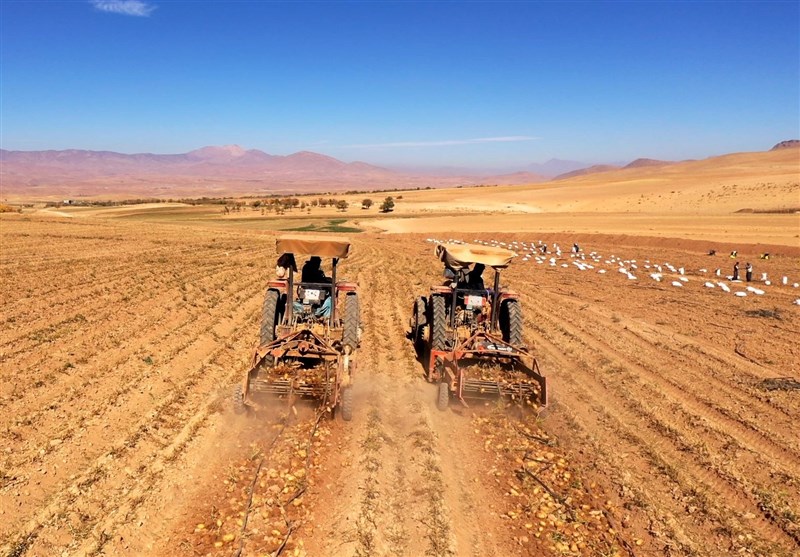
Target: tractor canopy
461, 256
322, 246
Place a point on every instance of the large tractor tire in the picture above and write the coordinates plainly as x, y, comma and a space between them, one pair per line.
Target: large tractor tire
511, 322
351, 322
419, 321
269, 319
347, 403
437, 324
238, 401
443, 400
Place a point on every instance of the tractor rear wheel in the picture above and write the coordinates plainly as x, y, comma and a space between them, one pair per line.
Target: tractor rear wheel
437, 325
351, 322
347, 404
512, 322
269, 319
238, 401
443, 401
419, 320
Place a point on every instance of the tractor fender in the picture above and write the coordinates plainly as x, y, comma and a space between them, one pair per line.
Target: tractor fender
441, 290
508, 295
278, 284
347, 287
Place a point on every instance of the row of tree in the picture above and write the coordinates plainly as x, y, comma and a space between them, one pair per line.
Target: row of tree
386, 207
279, 205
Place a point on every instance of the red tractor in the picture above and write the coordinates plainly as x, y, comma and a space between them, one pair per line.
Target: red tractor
310, 330
469, 336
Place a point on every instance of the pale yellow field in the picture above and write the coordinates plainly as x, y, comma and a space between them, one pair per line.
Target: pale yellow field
692, 200
710, 200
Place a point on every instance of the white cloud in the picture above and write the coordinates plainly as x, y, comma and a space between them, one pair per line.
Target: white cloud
447, 142
124, 7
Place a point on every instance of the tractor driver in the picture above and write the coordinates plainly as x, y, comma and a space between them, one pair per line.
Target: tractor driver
313, 273
475, 277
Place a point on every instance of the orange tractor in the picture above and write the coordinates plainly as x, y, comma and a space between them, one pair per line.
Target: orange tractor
468, 336
310, 330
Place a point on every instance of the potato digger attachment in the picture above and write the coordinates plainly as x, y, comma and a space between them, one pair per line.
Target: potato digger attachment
310, 330
469, 337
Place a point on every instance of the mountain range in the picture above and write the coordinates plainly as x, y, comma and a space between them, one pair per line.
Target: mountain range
232, 170
209, 171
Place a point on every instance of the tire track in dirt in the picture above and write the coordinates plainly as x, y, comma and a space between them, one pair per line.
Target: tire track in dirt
434, 502
717, 429
618, 404
92, 419
129, 469
60, 279
111, 307
105, 333
589, 413
111, 294
136, 286
104, 403
63, 277
701, 469
678, 387
154, 336
705, 364
460, 484
415, 488
121, 301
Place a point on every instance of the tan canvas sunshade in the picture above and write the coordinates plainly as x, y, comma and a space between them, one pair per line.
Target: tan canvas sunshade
461, 256
323, 246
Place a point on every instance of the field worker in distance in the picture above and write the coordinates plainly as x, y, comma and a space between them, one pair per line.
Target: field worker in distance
734, 254
735, 271
576, 248
748, 272
285, 262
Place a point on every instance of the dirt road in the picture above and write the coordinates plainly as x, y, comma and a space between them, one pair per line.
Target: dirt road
120, 345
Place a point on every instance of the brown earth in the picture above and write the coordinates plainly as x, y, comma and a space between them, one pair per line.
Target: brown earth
669, 431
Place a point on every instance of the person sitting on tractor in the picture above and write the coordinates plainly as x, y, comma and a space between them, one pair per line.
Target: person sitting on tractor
455, 278
313, 273
475, 277
469, 281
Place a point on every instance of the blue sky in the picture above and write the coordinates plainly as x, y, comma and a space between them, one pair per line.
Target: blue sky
473, 84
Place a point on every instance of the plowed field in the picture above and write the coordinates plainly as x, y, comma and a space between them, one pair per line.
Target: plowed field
671, 430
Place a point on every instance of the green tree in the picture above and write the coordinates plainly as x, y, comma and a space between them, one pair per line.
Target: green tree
388, 205
366, 204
